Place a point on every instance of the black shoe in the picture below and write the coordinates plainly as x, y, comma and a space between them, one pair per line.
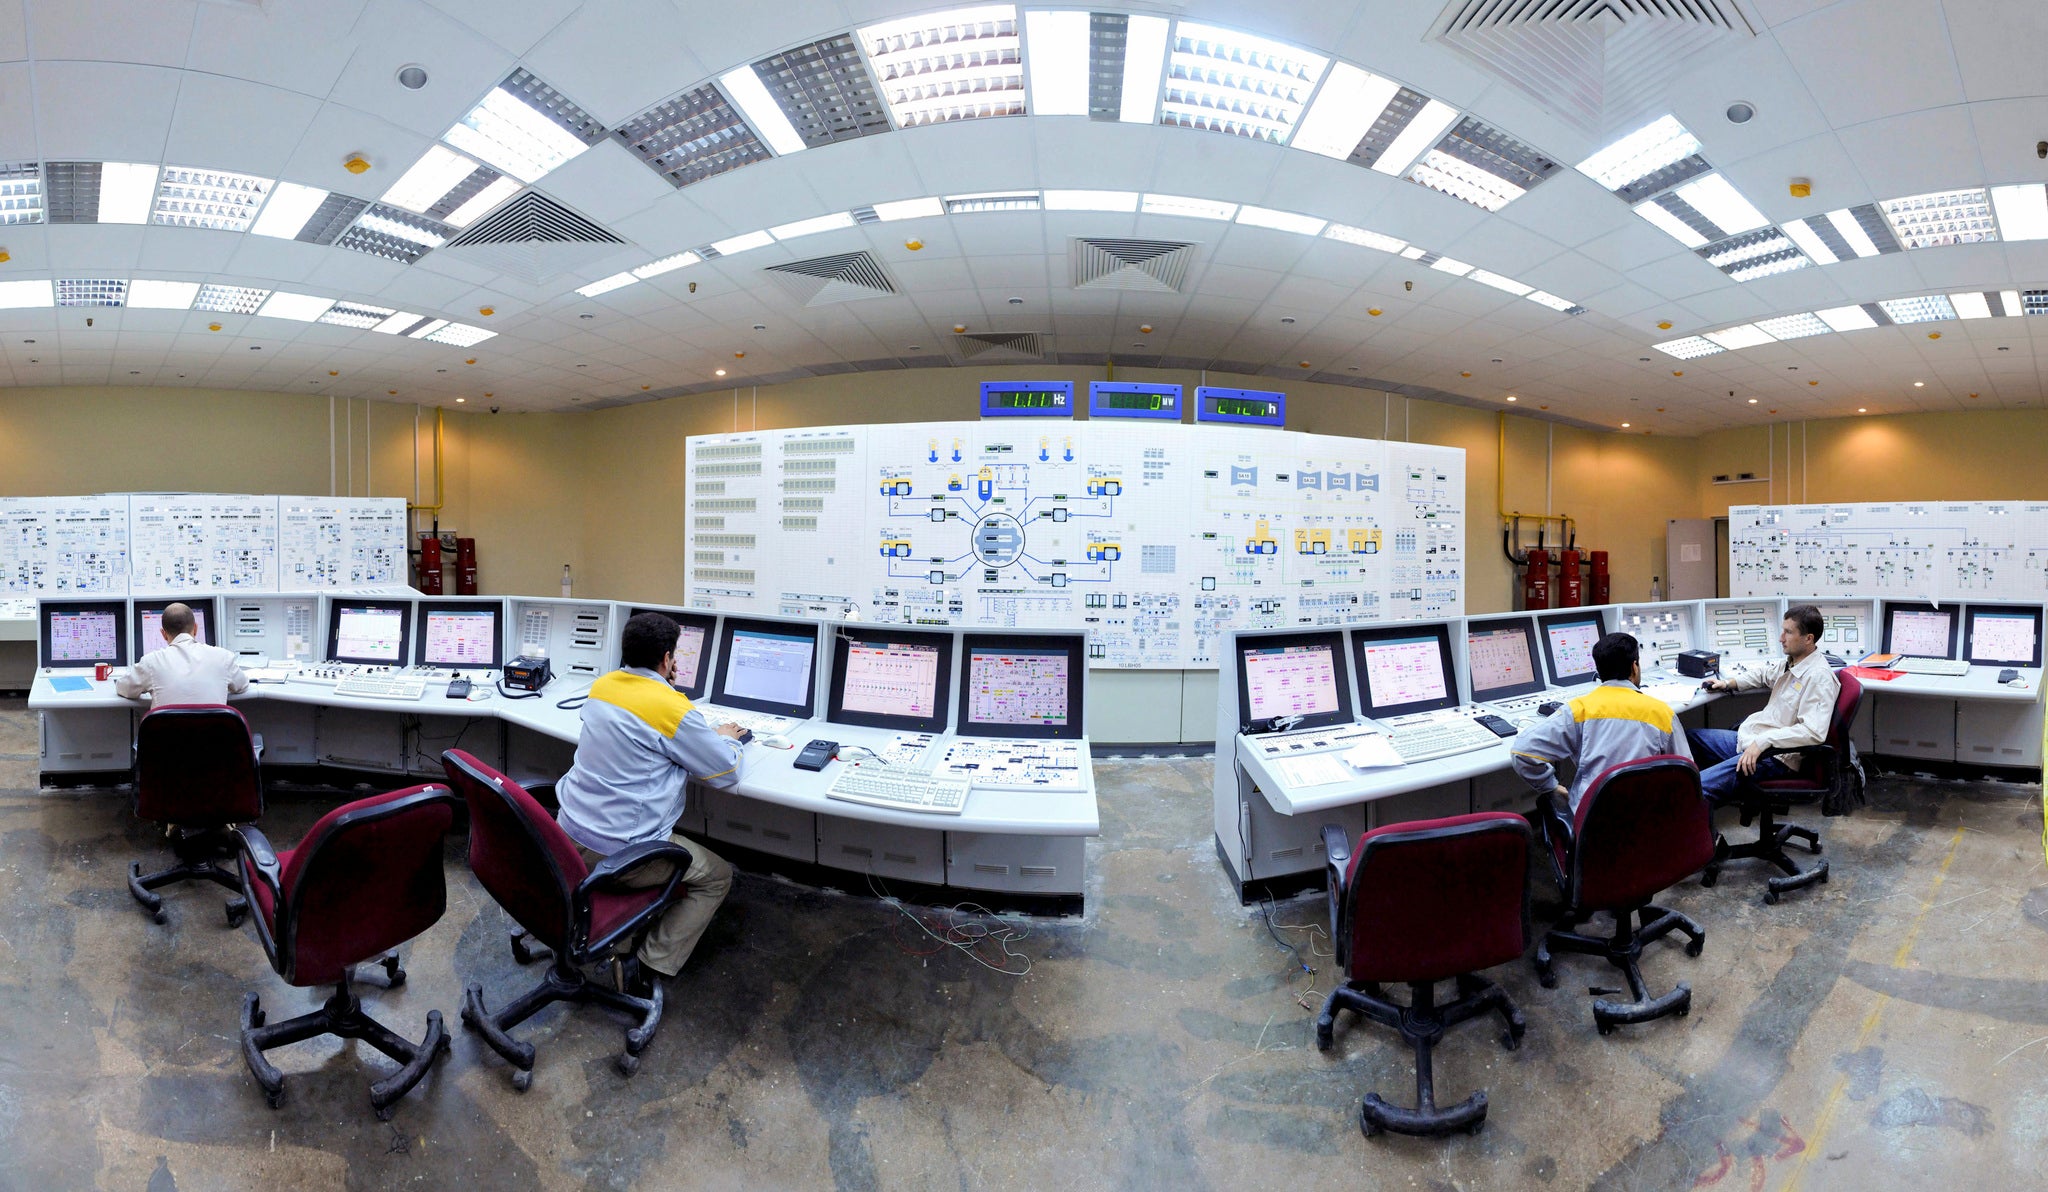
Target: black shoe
636, 979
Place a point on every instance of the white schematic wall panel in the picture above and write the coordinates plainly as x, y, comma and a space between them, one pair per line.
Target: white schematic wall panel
341, 542
58, 546
1159, 540
193, 542
1903, 550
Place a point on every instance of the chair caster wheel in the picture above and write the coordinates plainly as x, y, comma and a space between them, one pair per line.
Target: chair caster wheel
1684, 1011
1708, 879
383, 1112
628, 1064
1366, 1125
1814, 848
276, 1099
1511, 1040
1770, 898
159, 917
236, 912
1695, 947
1476, 1127
1547, 979
522, 1079
1605, 1028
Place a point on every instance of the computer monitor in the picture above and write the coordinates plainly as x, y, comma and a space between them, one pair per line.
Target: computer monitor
1404, 668
1568, 640
468, 635
369, 632
1500, 657
84, 633
767, 666
2003, 635
884, 678
149, 624
693, 644
1920, 630
1022, 686
1296, 674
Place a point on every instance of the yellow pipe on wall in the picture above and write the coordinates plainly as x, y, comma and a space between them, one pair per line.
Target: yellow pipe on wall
435, 508
1500, 490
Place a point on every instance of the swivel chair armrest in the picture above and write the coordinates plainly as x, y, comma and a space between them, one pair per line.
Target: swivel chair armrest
627, 859
255, 848
607, 874
1816, 750
1337, 868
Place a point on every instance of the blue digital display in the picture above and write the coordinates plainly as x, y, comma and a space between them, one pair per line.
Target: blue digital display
1027, 399
1247, 407
1125, 399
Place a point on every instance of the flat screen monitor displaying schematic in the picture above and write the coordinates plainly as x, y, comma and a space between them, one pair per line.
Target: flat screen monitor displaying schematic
149, 624
369, 632
1568, 640
2002, 635
768, 666
692, 648
1500, 658
1299, 676
461, 636
883, 678
1022, 686
1403, 669
84, 633
1920, 630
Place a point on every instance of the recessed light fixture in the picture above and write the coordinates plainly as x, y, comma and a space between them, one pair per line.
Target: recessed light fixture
1752, 401
1741, 112
1225, 81
525, 128
1919, 384
460, 400
717, 372
1861, 410
1624, 426
1511, 397
412, 76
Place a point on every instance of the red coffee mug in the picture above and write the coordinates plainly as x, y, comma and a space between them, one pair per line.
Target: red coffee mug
102, 671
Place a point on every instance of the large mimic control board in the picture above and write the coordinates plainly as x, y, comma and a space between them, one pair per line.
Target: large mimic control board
1938, 551
1160, 538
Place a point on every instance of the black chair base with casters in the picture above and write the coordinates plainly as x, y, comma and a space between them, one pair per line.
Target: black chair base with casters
1823, 770
197, 850
563, 982
343, 1016
1422, 1023
1624, 950
1769, 845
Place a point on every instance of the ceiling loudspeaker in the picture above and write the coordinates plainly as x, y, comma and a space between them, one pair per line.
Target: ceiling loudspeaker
1159, 266
826, 281
534, 239
1601, 65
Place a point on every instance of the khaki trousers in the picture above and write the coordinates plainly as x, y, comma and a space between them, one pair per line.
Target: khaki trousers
668, 944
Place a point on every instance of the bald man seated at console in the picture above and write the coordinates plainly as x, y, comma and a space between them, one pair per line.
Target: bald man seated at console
186, 670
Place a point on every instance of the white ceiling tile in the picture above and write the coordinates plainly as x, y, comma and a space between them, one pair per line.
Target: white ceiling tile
615, 58
228, 124
108, 111
1872, 59
393, 33
514, 24
298, 47
1916, 152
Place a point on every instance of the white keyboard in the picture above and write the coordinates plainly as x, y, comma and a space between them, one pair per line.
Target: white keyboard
1954, 667
903, 790
1313, 740
1439, 738
1031, 765
758, 723
381, 687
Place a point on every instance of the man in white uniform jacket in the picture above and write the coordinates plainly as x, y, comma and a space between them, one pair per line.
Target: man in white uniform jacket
186, 670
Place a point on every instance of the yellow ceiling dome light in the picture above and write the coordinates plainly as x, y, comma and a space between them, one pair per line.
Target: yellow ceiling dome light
356, 163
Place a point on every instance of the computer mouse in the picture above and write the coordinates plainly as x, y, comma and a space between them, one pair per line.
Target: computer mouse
773, 742
1548, 708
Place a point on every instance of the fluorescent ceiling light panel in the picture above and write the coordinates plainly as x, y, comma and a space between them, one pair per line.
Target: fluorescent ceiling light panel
501, 188
1851, 231
1193, 208
1091, 200
766, 117
1846, 318
1933, 308
90, 291
398, 322
909, 209
426, 329
1970, 305
21, 193
1692, 347
290, 206
1641, 153
20, 295
992, 200
1768, 268
356, 315
2022, 211
1941, 218
1716, 198
1344, 111
1453, 267
1058, 57
742, 242
229, 300
605, 285
1561, 305
1428, 126
1279, 221
1748, 335
1461, 179
1364, 238
162, 295
2010, 300
1797, 326
1672, 226
458, 335
1414, 252
384, 225
212, 199
812, 226
126, 191
1810, 243
1509, 284
432, 176
516, 138
666, 265
961, 64
305, 308
1144, 59
1225, 81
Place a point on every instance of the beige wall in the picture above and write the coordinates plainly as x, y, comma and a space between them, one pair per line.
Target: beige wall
1971, 456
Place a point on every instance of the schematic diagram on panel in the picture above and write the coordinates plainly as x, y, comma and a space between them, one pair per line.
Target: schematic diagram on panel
63, 545
216, 541
1426, 575
819, 524
726, 479
336, 542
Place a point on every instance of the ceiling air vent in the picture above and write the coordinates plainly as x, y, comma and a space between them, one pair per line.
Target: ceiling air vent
997, 346
534, 239
1160, 266
823, 281
1598, 64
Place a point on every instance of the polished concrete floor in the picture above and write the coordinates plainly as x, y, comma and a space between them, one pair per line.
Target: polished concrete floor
1888, 1030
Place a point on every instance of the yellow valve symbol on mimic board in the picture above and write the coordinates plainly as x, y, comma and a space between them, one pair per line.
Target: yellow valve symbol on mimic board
1364, 542
1261, 542
1312, 542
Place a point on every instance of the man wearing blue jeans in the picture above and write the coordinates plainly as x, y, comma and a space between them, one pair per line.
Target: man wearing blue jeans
1802, 705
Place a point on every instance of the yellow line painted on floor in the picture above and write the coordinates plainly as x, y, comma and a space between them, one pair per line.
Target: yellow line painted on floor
1834, 1101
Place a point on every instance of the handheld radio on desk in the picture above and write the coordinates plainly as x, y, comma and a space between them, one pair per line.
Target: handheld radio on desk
525, 673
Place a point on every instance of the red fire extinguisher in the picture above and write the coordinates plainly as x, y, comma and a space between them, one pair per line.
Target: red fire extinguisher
430, 564
1600, 590
1571, 590
1536, 579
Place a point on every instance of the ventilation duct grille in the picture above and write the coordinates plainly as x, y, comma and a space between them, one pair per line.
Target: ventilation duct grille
823, 281
1160, 266
534, 239
995, 347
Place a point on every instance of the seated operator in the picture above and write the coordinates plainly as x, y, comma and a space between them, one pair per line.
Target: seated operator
1802, 705
186, 670
642, 740
1609, 725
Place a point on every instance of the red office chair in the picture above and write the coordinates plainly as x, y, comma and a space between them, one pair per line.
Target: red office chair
581, 914
1419, 903
1643, 826
365, 879
196, 773
1825, 765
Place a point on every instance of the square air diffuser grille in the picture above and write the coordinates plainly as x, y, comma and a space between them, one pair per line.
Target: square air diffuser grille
825, 90
694, 136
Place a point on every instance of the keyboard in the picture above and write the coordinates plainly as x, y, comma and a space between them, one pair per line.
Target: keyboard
1954, 667
1432, 739
758, 723
900, 789
381, 687
1029, 765
1313, 740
